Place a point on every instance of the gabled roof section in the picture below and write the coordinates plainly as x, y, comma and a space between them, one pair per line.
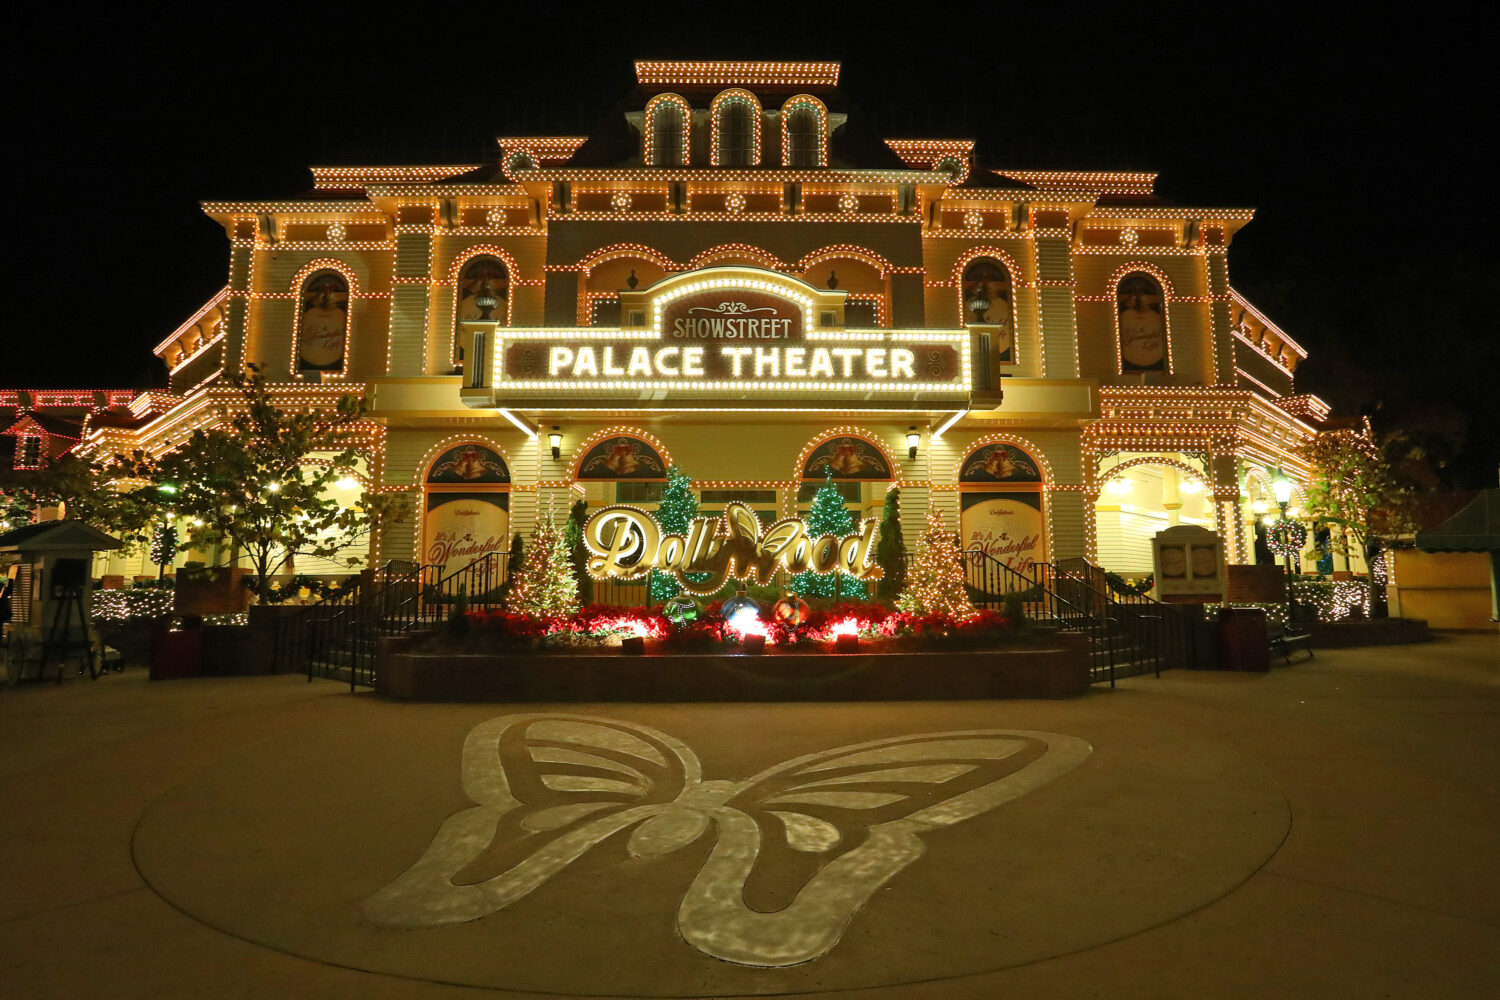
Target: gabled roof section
1476, 528
924, 154
1106, 182
45, 425
544, 150
57, 535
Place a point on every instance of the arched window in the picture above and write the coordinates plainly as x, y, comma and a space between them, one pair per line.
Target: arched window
484, 291
802, 134
736, 138
667, 131
736, 117
667, 127
323, 322
989, 298
1141, 323
855, 463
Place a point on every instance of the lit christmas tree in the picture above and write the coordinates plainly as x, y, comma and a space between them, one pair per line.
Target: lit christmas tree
890, 549
545, 587
676, 511
572, 532
829, 516
163, 546
935, 579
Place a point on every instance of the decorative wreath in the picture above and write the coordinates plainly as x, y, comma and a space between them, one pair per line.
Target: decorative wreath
1286, 537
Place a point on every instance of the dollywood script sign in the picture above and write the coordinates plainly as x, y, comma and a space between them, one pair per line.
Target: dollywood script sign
625, 543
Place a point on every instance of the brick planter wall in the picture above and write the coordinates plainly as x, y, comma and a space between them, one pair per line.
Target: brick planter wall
408, 673
1367, 632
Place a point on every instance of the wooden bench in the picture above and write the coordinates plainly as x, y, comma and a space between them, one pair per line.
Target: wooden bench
1285, 642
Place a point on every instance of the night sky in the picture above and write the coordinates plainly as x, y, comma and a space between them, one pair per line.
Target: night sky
1359, 145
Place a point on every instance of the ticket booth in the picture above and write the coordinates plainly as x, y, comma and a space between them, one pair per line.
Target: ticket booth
47, 569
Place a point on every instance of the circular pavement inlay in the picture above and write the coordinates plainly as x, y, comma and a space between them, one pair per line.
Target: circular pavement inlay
708, 850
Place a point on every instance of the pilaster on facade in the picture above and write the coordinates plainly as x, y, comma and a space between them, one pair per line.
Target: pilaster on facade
1069, 525
1059, 317
1221, 322
237, 305
411, 288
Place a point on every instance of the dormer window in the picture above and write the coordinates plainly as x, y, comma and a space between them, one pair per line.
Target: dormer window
29, 454
667, 131
804, 123
736, 129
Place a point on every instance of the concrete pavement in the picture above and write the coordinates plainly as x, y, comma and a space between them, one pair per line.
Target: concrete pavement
1326, 830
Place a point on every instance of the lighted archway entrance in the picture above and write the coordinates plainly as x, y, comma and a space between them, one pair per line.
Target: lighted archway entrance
1140, 496
859, 466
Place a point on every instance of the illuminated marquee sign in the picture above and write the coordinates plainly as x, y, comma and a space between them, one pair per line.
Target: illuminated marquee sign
737, 333
625, 543
624, 359
731, 314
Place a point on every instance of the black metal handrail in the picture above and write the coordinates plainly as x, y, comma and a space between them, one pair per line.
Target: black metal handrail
422, 596
1164, 632
994, 583
477, 586
337, 633
291, 629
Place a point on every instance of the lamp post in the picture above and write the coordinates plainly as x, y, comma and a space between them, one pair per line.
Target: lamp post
1282, 487
164, 546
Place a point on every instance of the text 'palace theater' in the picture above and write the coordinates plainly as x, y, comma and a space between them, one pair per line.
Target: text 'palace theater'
736, 278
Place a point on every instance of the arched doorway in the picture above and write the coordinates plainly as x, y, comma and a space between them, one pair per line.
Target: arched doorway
858, 468
466, 509
1002, 507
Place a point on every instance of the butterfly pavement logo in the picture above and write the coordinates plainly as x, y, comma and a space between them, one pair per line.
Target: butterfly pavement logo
548, 787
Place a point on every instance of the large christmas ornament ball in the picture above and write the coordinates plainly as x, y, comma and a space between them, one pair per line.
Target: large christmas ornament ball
680, 609
738, 603
791, 609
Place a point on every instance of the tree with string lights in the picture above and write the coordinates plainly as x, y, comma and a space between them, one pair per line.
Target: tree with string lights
163, 547
828, 515
890, 549
676, 510
545, 587
935, 579
1354, 487
255, 482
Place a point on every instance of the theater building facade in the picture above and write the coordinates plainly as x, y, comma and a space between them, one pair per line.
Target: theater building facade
737, 278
